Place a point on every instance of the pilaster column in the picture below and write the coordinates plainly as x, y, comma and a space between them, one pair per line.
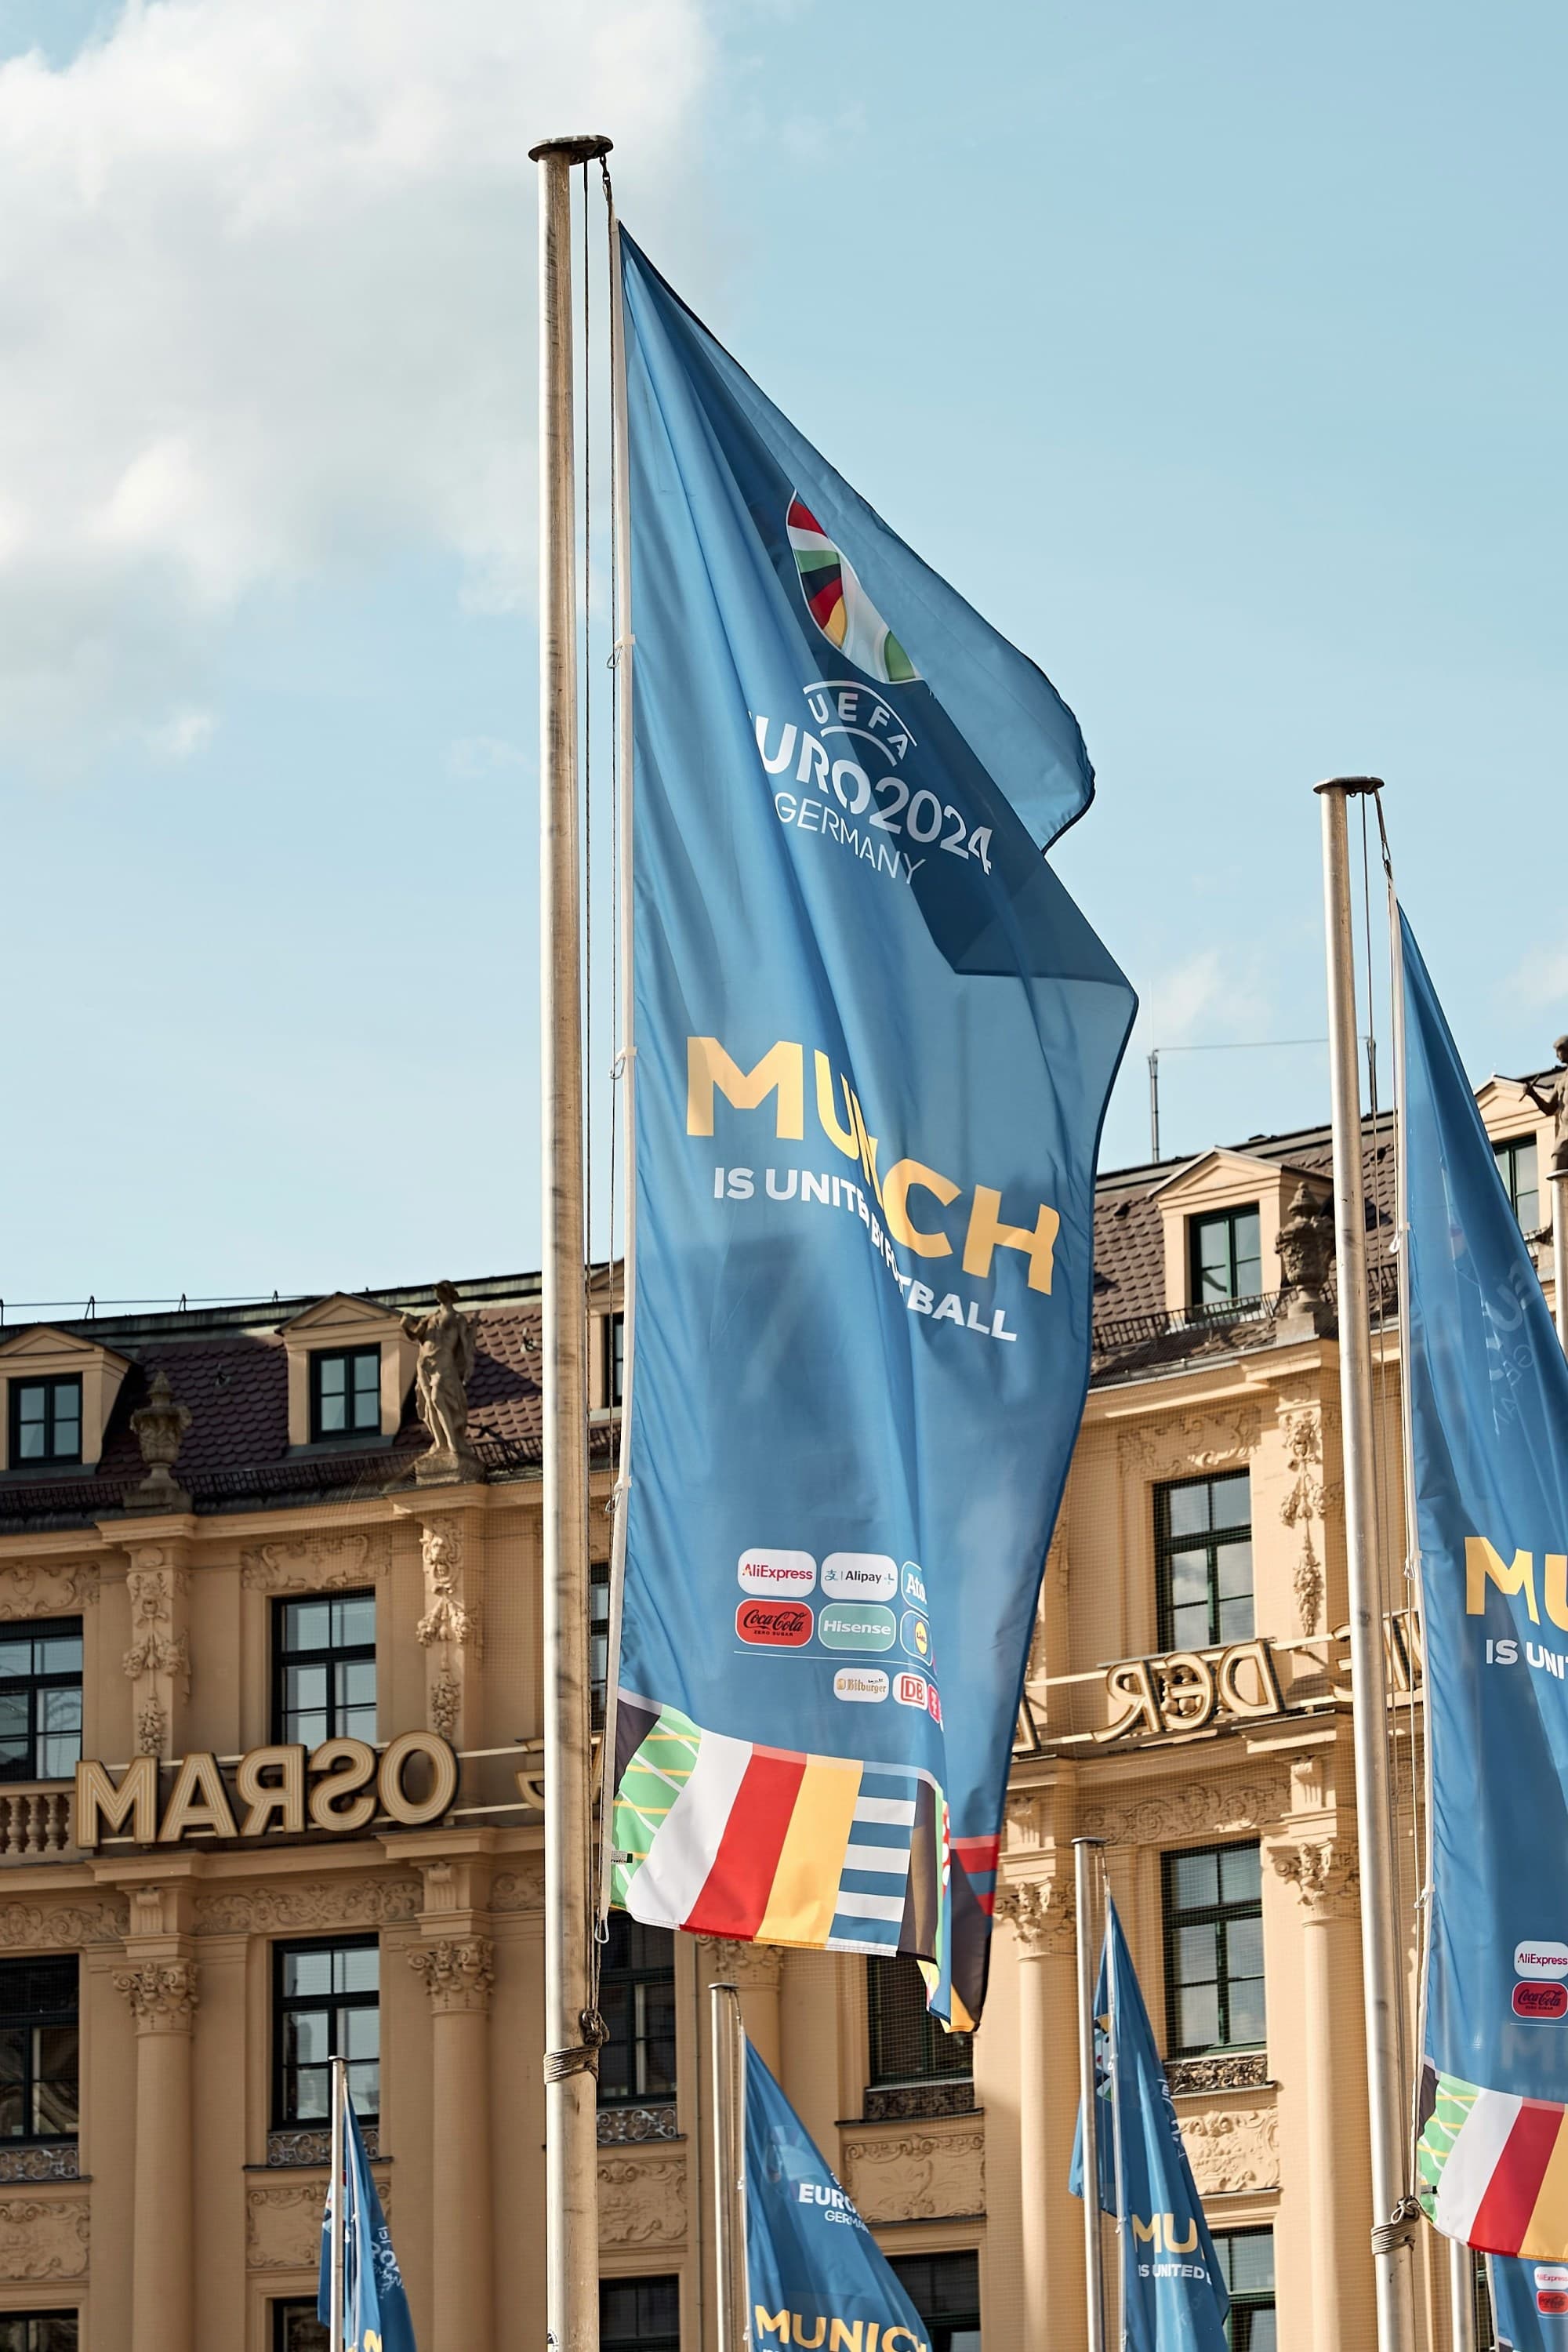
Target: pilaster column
1323, 1870
158, 1662
458, 1973
757, 1970
1042, 1917
162, 1993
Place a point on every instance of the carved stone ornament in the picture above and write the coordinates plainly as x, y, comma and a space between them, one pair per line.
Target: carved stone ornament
519, 1890
1239, 2070
1232, 2150
1195, 1808
158, 1662
917, 2177
901, 2103
1324, 1874
1192, 1440
754, 1968
285, 2147
445, 1699
642, 2201
630, 2127
322, 1904
458, 1972
1306, 1244
442, 1370
159, 1426
43, 2238
445, 1618
56, 2161
1303, 1503
316, 1563
64, 1926
56, 1592
283, 2224
162, 1993
1042, 1912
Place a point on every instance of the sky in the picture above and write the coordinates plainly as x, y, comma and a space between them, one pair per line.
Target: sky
1216, 355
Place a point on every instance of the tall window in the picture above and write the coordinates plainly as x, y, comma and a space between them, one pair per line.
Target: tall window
907, 2043
598, 1637
296, 2328
639, 2315
46, 1420
946, 2291
324, 1668
1203, 1561
615, 1357
1518, 1166
1214, 1949
41, 1699
326, 2004
1245, 2260
38, 2051
1227, 1257
345, 1392
637, 2001
41, 2331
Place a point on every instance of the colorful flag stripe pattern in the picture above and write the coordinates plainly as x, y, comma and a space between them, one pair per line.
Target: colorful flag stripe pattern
769, 1845
839, 605
1494, 2170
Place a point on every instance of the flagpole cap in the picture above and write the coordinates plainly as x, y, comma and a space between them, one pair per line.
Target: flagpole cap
577, 147
1351, 784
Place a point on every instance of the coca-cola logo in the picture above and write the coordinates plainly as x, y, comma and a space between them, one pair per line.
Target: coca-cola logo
774, 1624
1552, 2300
1538, 2000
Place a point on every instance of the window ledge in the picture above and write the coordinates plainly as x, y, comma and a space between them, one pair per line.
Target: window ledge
916, 2101
628, 2126
308, 2143
53, 2159
58, 1465
1225, 2070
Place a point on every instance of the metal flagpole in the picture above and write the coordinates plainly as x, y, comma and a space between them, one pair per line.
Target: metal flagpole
1113, 2064
1085, 1852
729, 2163
336, 2327
1461, 2297
1393, 2209
1560, 1250
572, 2029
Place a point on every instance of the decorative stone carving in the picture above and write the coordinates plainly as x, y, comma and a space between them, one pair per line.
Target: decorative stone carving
160, 1427
443, 1369
457, 1972
43, 2238
283, 2224
162, 1993
316, 1563
1042, 1913
628, 2126
754, 1968
1194, 1441
1306, 1245
54, 1592
1324, 1874
921, 2177
642, 2202
55, 2162
285, 2147
330, 1902
902, 2102
1240, 2070
64, 1926
450, 1627
1233, 2148
519, 1890
445, 1699
1194, 1810
158, 1662
1303, 1435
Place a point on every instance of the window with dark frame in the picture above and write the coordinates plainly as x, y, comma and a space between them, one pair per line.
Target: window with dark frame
599, 1638
1203, 1561
345, 1393
638, 2314
906, 2045
39, 2049
1481, 2303
43, 2331
1518, 1165
615, 1357
1227, 1257
296, 2328
1214, 1949
637, 2001
1246, 2259
323, 1677
46, 1420
41, 1699
946, 2291
326, 2004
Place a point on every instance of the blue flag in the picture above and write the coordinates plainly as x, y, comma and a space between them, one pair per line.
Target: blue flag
810, 2260
1174, 2298
1489, 1417
376, 2307
1530, 2305
874, 1044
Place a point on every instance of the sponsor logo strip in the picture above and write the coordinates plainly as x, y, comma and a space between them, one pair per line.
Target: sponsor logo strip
774, 1624
859, 1576
805, 1881
793, 1573
734, 1897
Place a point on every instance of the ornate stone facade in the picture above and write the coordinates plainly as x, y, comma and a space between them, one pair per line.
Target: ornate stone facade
313, 1907
642, 2201
1233, 2150
916, 2175
1324, 1872
316, 1563
44, 2237
1042, 1913
630, 2127
158, 1662
458, 1972
162, 1994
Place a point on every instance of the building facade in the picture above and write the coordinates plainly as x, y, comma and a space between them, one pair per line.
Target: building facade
218, 1556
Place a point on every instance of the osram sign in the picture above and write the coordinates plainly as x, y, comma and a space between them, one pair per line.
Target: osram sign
339, 1787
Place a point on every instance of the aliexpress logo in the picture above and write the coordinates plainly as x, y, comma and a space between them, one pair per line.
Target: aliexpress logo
774, 1624
1537, 2000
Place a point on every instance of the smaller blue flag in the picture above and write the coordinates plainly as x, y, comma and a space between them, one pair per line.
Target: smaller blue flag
1174, 2297
811, 2262
376, 2317
1530, 2304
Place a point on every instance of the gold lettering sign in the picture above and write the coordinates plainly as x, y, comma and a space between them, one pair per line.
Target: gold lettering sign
339, 1787
1187, 1690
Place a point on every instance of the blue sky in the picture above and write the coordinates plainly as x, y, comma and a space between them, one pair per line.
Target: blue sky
1216, 355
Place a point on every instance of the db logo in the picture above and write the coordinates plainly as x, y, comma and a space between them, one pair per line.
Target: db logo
774, 1624
911, 1690
1540, 2001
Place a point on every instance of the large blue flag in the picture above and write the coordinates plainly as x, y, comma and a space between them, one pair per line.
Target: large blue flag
1530, 2305
1488, 1416
376, 2317
814, 2272
874, 1044
1174, 2297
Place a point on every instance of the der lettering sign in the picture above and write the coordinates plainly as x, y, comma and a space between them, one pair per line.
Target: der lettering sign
339, 1787
1187, 1689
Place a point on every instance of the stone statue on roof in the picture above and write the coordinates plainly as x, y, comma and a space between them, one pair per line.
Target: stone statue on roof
1554, 1102
443, 1369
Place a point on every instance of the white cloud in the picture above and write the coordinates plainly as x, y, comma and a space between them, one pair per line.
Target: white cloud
268, 289
182, 735
1543, 977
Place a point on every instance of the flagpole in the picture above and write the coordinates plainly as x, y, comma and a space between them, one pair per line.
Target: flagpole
1113, 2058
571, 2024
1394, 2210
1560, 1251
335, 2326
728, 2163
1085, 1891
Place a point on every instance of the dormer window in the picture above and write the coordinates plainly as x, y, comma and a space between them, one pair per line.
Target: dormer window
1517, 1165
46, 1420
1227, 1257
345, 1393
